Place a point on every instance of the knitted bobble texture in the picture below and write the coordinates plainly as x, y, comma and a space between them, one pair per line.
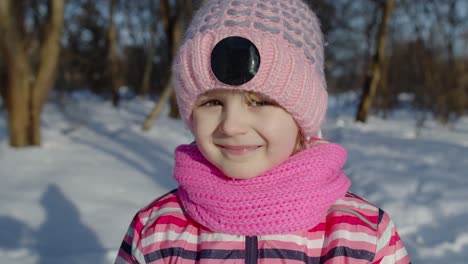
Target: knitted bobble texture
290, 42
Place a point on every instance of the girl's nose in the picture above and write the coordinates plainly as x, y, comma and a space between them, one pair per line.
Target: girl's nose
234, 120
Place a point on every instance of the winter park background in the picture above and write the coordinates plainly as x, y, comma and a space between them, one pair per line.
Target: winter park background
71, 200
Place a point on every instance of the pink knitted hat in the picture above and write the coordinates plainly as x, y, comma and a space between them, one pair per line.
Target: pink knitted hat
287, 36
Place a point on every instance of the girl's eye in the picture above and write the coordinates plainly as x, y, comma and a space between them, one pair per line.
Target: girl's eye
211, 103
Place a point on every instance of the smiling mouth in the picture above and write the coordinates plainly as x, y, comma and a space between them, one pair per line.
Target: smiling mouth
239, 150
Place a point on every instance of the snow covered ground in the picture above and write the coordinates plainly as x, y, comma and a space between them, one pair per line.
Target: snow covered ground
71, 200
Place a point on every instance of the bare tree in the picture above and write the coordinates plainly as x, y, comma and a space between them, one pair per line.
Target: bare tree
28, 86
350, 40
424, 59
448, 24
145, 84
113, 56
375, 73
184, 7
3, 81
174, 28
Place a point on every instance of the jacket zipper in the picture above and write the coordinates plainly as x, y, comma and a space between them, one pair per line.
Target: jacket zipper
251, 250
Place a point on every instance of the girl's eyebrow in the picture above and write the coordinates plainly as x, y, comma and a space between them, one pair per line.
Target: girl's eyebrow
208, 95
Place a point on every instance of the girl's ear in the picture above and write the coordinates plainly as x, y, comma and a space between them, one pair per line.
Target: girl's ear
308, 142
314, 142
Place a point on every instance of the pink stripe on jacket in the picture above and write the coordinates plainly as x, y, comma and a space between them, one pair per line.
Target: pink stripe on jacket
353, 231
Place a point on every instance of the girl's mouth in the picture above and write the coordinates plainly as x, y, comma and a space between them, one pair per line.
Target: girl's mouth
238, 150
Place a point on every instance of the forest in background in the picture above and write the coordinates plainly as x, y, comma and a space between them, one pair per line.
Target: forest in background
382, 48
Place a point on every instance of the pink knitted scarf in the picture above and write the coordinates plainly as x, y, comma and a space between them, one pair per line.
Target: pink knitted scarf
291, 197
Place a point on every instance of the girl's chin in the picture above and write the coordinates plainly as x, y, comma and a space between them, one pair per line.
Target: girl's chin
242, 177
238, 175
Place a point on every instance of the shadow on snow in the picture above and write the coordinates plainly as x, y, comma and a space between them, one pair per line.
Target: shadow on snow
61, 238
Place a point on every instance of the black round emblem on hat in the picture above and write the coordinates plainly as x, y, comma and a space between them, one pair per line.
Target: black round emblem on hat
235, 60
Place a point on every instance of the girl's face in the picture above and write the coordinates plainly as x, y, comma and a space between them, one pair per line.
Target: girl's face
243, 134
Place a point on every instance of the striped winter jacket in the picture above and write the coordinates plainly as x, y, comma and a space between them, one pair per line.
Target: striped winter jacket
353, 231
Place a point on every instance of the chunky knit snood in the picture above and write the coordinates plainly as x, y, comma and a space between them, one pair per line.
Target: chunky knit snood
291, 197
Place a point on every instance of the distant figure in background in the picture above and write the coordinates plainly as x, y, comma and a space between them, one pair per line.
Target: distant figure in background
259, 184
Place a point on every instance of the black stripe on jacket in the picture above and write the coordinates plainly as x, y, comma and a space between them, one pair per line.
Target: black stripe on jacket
263, 254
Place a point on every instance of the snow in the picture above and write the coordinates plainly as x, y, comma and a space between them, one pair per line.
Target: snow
71, 200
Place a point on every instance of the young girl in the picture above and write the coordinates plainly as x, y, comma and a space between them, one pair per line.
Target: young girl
258, 185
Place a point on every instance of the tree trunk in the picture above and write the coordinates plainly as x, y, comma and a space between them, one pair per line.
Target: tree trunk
18, 93
177, 33
373, 77
145, 84
26, 96
49, 57
113, 57
157, 109
20, 128
174, 31
457, 98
